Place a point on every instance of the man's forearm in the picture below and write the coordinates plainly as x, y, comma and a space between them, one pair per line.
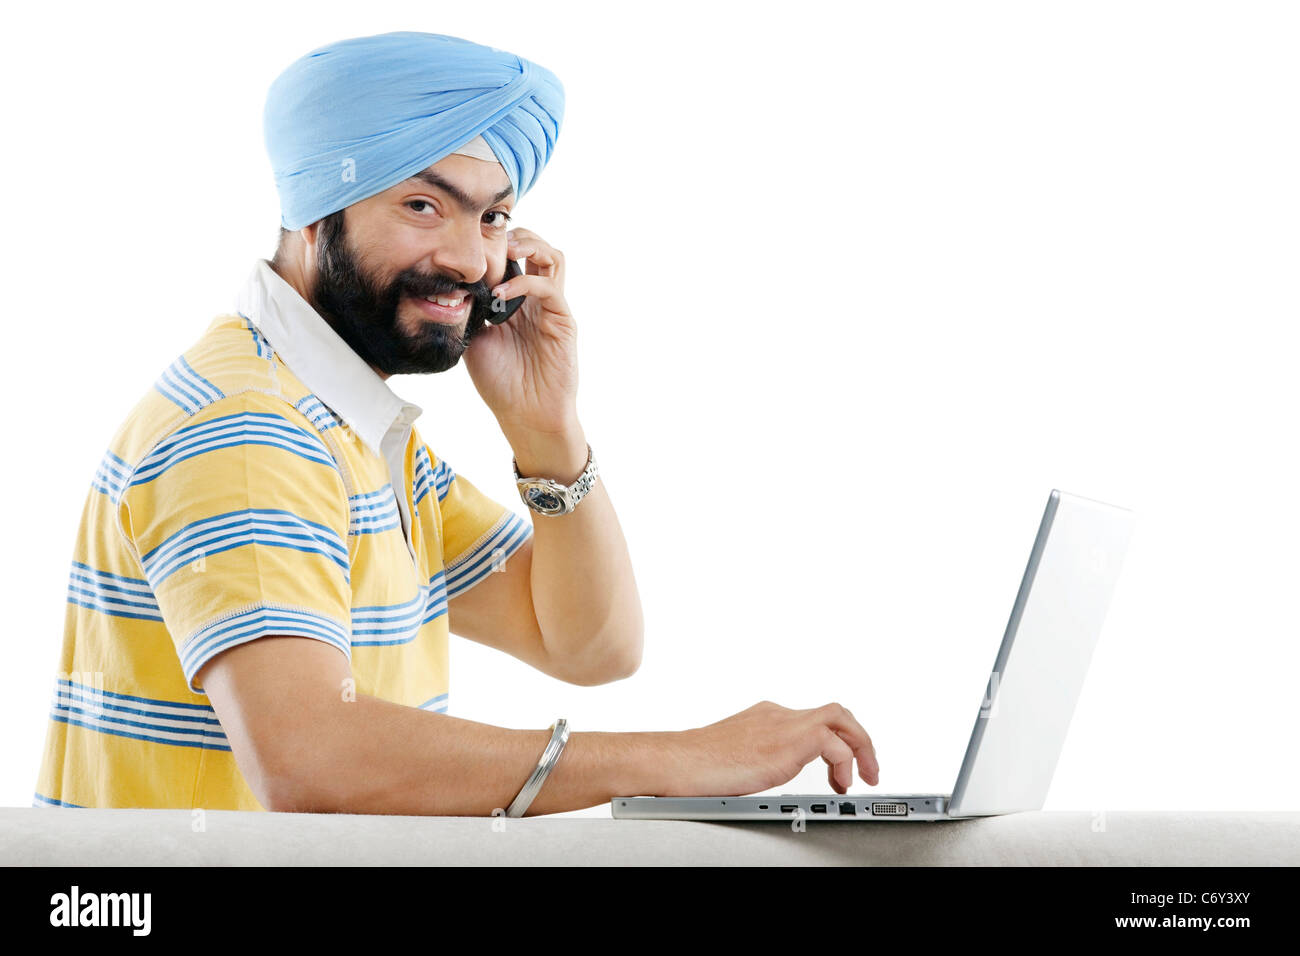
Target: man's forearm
375, 756
584, 591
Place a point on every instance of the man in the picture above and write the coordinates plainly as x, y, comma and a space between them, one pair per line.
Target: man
271, 558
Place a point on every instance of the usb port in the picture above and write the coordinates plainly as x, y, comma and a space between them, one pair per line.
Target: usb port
788, 808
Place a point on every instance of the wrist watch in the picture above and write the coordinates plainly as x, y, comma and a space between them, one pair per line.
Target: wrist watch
548, 497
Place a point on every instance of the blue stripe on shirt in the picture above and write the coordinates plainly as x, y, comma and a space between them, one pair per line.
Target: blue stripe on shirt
269, 527
472, 567
185, 387
111, 593
227, 632
226, 431
373, 511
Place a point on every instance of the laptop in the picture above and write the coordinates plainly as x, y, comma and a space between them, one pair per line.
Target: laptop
1026, 709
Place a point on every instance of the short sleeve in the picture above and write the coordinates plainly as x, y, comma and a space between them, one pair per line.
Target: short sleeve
240, 521
477, 532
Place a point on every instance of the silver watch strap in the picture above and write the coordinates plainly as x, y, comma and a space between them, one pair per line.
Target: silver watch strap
559, 737
583, 484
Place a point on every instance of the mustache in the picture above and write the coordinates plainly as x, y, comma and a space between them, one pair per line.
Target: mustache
421, 286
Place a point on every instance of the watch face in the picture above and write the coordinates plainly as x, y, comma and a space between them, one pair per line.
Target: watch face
544, 499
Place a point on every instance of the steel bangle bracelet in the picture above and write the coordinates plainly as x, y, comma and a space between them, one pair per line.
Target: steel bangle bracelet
559, 737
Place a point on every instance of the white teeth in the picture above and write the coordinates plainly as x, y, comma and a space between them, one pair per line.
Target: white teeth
444, 300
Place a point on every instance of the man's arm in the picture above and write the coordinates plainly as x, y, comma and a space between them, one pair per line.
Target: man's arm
303, 746
566, 601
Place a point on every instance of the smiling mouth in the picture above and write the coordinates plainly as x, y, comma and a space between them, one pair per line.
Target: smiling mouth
444, 308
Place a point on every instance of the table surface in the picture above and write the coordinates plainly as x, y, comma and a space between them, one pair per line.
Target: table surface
89, 837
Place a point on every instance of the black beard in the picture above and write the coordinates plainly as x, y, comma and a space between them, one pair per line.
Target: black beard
365, 315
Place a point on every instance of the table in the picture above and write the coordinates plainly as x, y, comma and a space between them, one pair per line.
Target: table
89, 837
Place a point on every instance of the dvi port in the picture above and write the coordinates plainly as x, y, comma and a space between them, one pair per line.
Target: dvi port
889, 809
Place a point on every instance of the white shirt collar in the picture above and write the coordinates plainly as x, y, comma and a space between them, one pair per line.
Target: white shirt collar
326, 364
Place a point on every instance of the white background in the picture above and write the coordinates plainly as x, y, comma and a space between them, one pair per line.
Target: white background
856, 285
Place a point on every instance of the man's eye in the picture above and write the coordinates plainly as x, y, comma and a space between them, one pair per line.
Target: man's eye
499, 212
420, 202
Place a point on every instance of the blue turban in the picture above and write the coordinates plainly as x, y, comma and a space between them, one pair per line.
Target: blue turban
359, 116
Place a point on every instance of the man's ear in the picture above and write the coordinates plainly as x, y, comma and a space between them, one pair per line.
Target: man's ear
309, 235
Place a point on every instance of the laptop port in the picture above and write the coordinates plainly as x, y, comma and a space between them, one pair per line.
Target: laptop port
818, 808
848, 810
889, 809
788, 808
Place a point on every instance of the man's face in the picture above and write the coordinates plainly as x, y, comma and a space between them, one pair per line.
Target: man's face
440, 234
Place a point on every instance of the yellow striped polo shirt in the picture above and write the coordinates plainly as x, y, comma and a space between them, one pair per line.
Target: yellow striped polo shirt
268, 483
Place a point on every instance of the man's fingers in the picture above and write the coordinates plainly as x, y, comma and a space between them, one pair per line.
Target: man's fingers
832, 779
537, 253
542, 288
524, 242
839, 756
838, 719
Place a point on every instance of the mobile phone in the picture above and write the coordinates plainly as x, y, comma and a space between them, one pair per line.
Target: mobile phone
501, 311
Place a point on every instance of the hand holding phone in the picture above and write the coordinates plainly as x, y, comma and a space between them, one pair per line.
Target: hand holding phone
501, 311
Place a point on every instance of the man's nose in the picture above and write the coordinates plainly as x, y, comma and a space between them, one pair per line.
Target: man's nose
460, 254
